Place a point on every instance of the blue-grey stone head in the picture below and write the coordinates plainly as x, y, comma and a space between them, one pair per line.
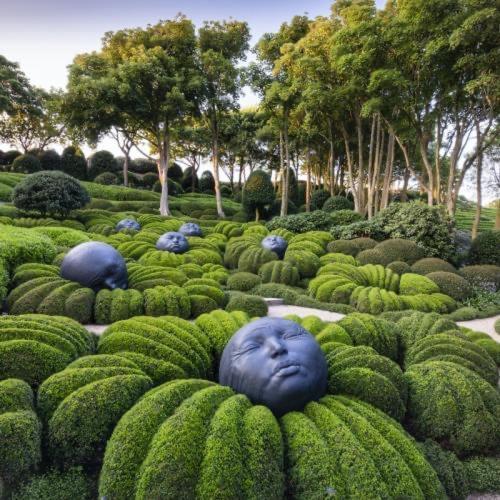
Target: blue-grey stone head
191, 229
276, 363
276, 244
128, 224
172, 242
95, 265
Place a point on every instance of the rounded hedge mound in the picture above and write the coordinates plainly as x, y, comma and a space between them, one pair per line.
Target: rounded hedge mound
485, 248
194, 438
250, 304
279, 272
32, 347
451, 284
432, 265
243, 281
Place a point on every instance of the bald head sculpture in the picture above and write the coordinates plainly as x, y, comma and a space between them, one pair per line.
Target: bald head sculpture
191, 229
95, 265
172, 241
276, 363
276, 244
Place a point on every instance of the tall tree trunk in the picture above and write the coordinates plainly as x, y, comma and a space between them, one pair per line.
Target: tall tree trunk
286, 167
361, 166
125, 169
308, 180
423, 143
215, 168
352, 184
477, 216
389, 163
163, 165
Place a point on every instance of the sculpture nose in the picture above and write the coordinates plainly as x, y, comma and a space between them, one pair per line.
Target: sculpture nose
276, 347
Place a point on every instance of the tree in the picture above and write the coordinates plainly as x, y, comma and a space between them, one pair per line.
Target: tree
16, 91
222, 45
258, 192
147, 79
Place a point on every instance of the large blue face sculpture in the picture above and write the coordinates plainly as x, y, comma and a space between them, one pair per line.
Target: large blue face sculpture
275, 362
128, 224
95, 265
276, 244
190, 229
173, 242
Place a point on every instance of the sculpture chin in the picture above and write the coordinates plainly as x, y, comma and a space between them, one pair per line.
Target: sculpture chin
95, 265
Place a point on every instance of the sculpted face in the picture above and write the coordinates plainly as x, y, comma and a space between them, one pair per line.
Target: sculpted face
128, 224
190, 229
95, 265
172, 242
276, 244
275, 362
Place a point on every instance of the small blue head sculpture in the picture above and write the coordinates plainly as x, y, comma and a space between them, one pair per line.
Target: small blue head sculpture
276, 244
128, 224
95, 265
275, 362
190, 229
172, 242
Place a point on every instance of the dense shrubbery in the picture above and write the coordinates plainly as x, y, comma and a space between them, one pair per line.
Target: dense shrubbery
258, 192
100, 162
53, 193
301, 223
337, 203
26, 164
485, 248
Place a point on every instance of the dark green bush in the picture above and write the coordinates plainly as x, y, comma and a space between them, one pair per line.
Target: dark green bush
207, 181
15, 394
56, 485
301, 223
451, 284
399, 267
432, 265
50, 193
343, 246
319, 198
253, 258
485, 248
374, 256
483, 474
73, 163
279, 271
50, 160
252, 305
307, 263
399, 249
26, 164
413, 284
429, 227
107, 179
174, 171
189, 181
201, 304
100, 162
258, 192
486, 277
337, 203
243, 281
344, 217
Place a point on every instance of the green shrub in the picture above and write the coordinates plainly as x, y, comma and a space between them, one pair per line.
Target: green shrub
253, 258
374, 256
483, 474
100, 162
50, 193
20, 442
342, 258
252, 305
485, 248
463, 314
365, 243
258, 192
26, 164
335, 203
80, 305
451, 472
432, 265
107, 179
117, 305
429, 227
275, 290
82, 423
319, 198
345, 217
486, 277
347, 247
243, 281
279, 272
400, 249
201, 304
413, 284
363, 229
15, 395
451, 284
163, 300
400, 267
450, 403
301, 223
306, 262
57, 485
73, 162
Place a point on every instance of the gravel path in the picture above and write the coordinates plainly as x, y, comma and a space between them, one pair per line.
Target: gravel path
486, 325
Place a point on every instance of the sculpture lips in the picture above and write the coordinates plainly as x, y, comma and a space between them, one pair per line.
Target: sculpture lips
286, 369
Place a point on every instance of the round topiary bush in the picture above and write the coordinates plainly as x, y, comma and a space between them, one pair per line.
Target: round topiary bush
451, 284
253, 258
400, 267
413, 284
486, 277
250, 304
258, 192
485, 248
319, 198
53, 193
243, 281
100, 162
337, 203
345, 217
343, 246
207, 181
399, 249
279, 271
50, 160
107, 179
432, 265
73, 162
26, 164
374, 256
